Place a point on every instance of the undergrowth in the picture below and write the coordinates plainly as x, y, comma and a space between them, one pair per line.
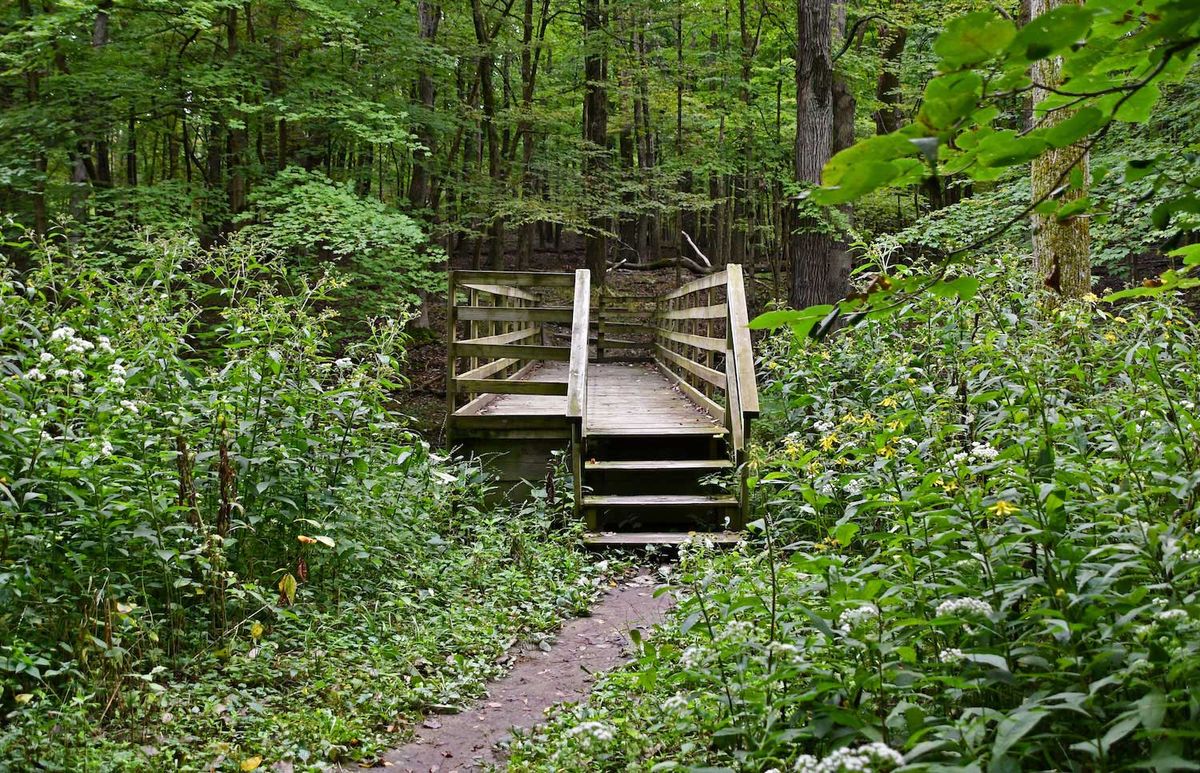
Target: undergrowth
977, 549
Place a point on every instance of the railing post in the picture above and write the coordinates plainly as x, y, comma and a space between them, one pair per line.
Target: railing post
577, 379
451, 362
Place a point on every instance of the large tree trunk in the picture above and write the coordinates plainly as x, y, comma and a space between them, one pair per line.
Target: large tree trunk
429, 15
818, 271
1061, 250
595, 131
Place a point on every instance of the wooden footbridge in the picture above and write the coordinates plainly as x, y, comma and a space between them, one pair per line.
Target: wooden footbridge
650, 397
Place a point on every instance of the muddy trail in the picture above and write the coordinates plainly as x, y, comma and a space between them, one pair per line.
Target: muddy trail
584, 648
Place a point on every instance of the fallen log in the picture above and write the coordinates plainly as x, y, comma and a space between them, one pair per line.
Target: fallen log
654, 265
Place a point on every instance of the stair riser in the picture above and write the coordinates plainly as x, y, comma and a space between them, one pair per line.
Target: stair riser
661, 518
655, 447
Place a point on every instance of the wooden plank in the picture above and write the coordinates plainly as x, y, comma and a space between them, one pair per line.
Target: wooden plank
507, 292
504, 338
713, 408
714, 377
529, 314
489, 421
483, 371
517, 278
577, 372
635, 431
743, 350
734, 419
715, 311
515, 351
635, 539
659, 500
696, 285
504, 386
660, 465
700, 342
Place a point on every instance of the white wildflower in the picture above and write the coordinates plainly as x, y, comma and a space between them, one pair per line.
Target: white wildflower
1171, 615
104, 345
676, 704
854, 487
591, 733
117, 370
344, 363
130, 406
951, 655
77, 375
694, 658
736, 630
961, 457
857, 616
870, 757
824, 427
964, 607
46, 358
33, 374
984, 452
63, 333
117, 381
106, 449
61, 373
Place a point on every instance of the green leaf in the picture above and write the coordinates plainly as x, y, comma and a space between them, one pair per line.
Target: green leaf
1013, 728
1162, 214
857, 182
964, 287
845, 533
973, 38
1140, 105
948, 99
1052, 32
1074, 129
1006, 148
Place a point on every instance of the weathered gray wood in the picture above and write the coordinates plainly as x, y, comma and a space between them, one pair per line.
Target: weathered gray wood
660, 465
660, 500
577, 372
696, 285
714, 377
515, 351
483, 371
700, 342
644, 538
505, 338
510, 422
517, 278
701, 399
507, 292
504, 386
528, 314
715, 311
739, 334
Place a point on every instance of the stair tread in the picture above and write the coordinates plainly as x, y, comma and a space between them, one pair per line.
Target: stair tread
660, 464
658, 500
638, 538
656, 431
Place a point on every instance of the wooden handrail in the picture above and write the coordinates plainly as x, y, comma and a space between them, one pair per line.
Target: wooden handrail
740, 348
577, 370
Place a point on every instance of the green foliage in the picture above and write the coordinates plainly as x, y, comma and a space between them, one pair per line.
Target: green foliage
195, 498
381, 256
977, 546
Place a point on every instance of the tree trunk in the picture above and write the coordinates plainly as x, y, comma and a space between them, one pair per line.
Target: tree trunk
429, 16
595, 128
1061, 250
818, 273
887, 87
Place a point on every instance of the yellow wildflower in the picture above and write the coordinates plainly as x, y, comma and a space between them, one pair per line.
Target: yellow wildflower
867, 420
1122, 320
1110, 337
895, 425
1003, 508
887, 451
829, 441
889, 402
1091, 298
949, 486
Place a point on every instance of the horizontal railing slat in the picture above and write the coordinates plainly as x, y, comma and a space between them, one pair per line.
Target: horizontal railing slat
515, 351
516, 278
700, 342
696, 285
503, 338
530, 314
508, 292
502, 386
714, 377
483, 371
716, 311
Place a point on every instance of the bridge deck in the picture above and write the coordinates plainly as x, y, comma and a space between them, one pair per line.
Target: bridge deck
624, 398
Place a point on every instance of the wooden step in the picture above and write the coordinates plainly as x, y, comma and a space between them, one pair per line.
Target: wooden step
659, 500
643, 538
655, 431
660, 465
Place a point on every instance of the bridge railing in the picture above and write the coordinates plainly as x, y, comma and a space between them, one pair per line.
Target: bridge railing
505, 320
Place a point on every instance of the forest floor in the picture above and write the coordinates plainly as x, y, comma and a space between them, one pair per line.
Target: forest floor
542, 676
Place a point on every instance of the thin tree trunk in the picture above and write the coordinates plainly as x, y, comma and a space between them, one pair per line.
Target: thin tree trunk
595, 122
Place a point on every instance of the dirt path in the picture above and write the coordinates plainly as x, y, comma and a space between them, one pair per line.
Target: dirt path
585, 647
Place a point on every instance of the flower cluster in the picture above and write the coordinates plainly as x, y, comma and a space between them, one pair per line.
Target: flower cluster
589, 734
871, 757
857, 616
964, 607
